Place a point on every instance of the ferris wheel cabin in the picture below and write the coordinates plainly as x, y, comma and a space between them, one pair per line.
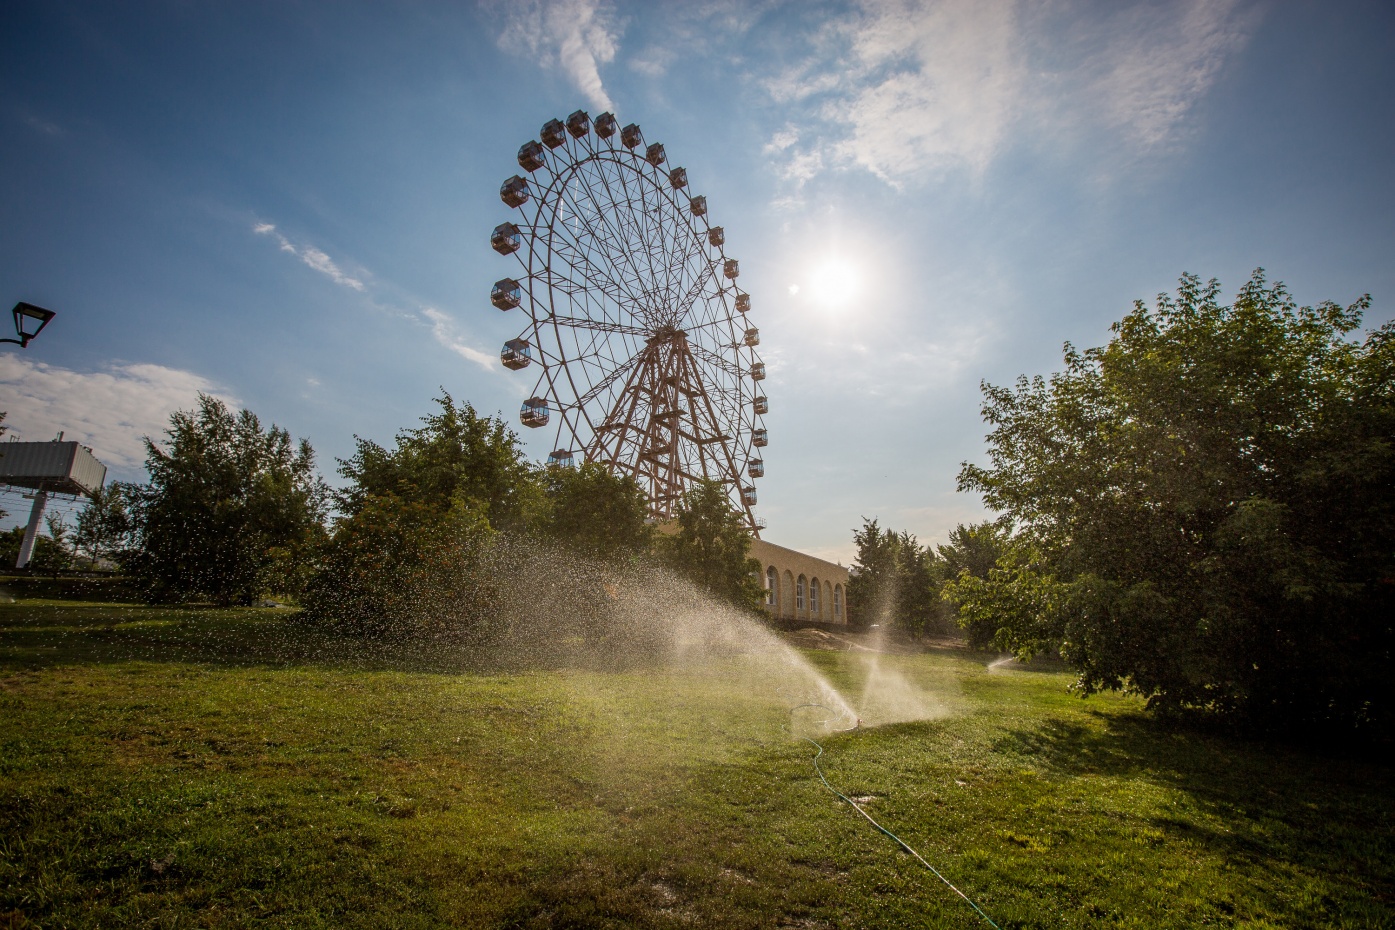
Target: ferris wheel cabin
507, 294
698, 205
553, 134
731, 269
578, 124
534, 412
760, 404
760, 438
506, 239
743, 303
755, 468
748, 495
562, 458
631, 136
758, 371
751, 337
531, 156
655, 155
516, 354
605, 125
716, 236
678, 178
514, 192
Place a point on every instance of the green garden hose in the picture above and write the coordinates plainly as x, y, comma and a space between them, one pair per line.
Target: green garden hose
900, 842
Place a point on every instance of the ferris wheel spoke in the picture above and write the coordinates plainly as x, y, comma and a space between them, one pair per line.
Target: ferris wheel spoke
599, 326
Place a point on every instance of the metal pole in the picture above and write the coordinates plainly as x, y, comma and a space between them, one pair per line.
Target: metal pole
26, 548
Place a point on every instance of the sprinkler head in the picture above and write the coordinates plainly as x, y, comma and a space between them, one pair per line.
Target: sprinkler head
859, 724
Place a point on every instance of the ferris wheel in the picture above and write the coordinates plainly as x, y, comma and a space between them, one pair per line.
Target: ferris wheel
646, 356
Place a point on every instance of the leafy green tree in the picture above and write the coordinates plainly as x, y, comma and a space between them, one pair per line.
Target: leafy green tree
106, 526
595, 512
455, 455
225, 499
47, 556
1206, 509
974, 551
711, 547
409, 549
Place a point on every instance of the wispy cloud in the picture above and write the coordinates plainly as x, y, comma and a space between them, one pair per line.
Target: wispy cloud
917, 88
442, 327
44, 126
109, 410
311, 256
577, 36
444, 330
1157, 61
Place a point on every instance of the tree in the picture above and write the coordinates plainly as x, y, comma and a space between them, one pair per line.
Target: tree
973, 551
47, 556
105, 527
455, 455
416, 523
895, 582
226, 499
3, 512
711, 547
1205, 510
872, 580
595, 512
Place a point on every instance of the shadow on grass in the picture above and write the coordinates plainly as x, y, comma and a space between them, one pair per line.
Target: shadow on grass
36, 636
1327, 811
48, 634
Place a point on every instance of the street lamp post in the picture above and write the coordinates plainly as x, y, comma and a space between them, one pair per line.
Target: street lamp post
29, 321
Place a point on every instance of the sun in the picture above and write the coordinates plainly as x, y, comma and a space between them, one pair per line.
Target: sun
834, 283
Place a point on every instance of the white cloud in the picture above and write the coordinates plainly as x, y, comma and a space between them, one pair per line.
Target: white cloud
1158, 62
941, 83
444, 330
311, 256
910, 88
577, 36
781, 141
109, 410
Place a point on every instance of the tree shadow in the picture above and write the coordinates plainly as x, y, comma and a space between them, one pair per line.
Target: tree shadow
38, 636
1258, 801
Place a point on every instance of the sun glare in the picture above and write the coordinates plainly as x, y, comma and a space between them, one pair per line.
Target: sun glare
834, 283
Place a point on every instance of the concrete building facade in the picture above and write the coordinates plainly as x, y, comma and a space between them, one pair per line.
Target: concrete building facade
801, 587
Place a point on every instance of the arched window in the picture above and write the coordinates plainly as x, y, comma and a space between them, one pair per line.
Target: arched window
772, 587
837, 602
800, 587
813, 597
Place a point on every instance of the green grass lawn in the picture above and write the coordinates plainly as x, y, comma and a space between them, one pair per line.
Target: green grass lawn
172, 768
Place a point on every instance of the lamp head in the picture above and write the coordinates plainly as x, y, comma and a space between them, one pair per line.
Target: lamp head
30, 321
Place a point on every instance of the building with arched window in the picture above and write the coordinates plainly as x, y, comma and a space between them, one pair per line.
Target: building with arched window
800, 586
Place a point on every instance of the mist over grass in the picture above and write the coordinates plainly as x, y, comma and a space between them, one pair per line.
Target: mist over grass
231, 767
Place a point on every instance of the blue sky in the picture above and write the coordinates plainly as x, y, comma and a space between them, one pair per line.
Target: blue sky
288, 204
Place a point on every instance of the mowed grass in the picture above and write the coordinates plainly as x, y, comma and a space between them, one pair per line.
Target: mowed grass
173, 768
